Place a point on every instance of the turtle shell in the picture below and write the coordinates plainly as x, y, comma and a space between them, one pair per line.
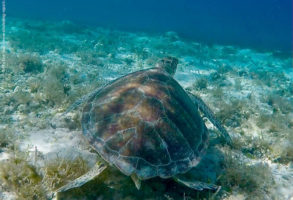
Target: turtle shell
145, 123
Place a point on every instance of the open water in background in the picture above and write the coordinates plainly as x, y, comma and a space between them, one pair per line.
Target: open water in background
260, 24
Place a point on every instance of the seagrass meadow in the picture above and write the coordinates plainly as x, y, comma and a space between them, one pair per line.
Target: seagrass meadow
50, 65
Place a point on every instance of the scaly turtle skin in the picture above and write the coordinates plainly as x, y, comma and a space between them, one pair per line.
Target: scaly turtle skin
145, 124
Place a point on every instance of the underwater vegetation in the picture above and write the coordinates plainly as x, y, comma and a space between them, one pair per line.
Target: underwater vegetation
22, 178
59, 171
254, 179
201, 84
31, 64
27, 181
52, 64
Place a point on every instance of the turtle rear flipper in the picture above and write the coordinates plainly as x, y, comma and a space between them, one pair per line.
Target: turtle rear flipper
90, 175
196, 185
209, 114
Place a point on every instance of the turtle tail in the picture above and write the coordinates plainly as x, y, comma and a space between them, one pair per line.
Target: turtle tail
210, 115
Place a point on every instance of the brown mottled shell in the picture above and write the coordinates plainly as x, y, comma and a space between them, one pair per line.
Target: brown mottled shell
145, 123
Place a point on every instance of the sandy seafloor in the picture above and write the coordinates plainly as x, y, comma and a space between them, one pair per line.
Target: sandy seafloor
49, 65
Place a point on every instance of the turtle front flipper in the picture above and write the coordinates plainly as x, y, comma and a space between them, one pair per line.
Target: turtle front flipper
209, 114
93, 173
196, 185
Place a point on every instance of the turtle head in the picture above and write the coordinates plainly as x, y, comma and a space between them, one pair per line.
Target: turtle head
168, 65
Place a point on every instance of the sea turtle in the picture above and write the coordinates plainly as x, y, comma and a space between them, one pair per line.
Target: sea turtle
146, 125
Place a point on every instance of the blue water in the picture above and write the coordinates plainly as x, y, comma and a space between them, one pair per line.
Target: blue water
261, 24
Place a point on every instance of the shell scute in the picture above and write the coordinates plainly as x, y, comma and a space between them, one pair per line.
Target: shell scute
167, 171
109, 154
145, 123
119, 140
150, 109
177, 145
145, 170
126, 164
147, 145
155, 89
